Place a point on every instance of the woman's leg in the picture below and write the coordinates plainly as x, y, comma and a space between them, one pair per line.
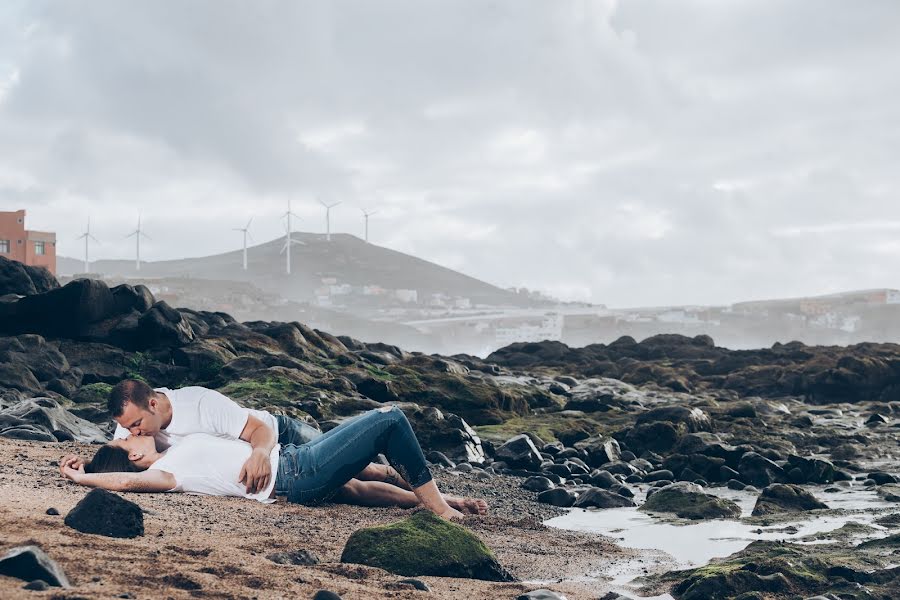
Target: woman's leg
330, 461
378, 493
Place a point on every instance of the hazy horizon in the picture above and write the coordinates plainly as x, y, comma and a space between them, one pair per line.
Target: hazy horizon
622, 153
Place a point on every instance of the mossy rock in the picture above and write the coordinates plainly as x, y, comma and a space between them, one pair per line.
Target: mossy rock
94, 393
782, 497
424, 544
276, 386
688, 501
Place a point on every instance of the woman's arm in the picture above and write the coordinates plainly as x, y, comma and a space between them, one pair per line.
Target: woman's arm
151, 480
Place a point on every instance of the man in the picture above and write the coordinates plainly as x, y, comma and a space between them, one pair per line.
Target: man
170, 415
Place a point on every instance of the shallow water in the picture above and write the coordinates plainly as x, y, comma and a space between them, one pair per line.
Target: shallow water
688, 544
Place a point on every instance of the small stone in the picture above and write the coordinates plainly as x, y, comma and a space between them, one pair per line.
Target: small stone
29, 563
416, 583
52, 511
326, 595
38, 585
296, 557
541, 594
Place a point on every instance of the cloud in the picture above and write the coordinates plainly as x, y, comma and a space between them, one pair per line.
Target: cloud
632, 153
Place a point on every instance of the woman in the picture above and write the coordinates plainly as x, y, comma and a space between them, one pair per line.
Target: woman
333, 466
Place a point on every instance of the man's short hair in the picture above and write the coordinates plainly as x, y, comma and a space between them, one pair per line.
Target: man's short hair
110, 459
129, 390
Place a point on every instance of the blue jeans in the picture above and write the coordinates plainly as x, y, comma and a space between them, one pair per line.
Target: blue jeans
294, 431
314, 471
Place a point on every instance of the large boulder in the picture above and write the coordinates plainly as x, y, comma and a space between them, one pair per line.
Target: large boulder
780, 497
598, 498
689, 419
424, 544
24, 280
659, 437
446, 433
43, 419
600, 450
162, 326
34, 353
758, 470
519, 452
30, 563
104, 513
63, 312
688, 501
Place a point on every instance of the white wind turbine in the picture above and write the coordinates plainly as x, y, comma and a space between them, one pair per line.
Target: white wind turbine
288, 240
328, 208
246, 230
87, 237
366, 216
137, 233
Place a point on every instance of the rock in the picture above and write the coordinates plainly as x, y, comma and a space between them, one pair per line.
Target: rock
603, 479
24, 280
294, 557
39, 418
758, 470
325, 595
890, 492
557, 497
19, 378
447, 433
519, 452
541, 594
162, 326
52, 511
416, 583
104, 513
779, 497
877, 419
882, 478
600, 450
439, 458
537, 483
424, 544
30, 563
598, 498
692, 419
811, 470
659, 436
688, 501
38, 585
61, 312
660, 475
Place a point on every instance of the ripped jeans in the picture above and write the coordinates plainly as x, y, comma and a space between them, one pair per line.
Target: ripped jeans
314, 471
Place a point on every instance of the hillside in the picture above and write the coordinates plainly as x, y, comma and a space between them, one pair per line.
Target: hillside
346, 258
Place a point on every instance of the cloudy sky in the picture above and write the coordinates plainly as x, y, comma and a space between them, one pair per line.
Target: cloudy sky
629, 153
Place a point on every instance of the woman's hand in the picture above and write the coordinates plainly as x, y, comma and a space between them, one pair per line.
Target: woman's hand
72, 467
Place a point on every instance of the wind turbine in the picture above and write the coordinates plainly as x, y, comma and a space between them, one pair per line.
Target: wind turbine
366, 216
87, 237
246, 230
288, 240
137, 233
328, 208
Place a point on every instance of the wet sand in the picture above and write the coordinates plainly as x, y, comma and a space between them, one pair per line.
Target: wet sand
205, 547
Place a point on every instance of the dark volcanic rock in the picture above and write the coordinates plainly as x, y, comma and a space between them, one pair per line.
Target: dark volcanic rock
162, 326
600, 450
61, 312
424, 544
519, 452
295, 557
104, 513
537, 483
598, 498
557, 497
24, 280
758, 470
30, 563
688, 501
692, 419
656, 437
781, 497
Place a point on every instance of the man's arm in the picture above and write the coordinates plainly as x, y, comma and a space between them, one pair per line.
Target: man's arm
151, 480
256, 473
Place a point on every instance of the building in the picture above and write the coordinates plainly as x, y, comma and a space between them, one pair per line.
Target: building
35, 248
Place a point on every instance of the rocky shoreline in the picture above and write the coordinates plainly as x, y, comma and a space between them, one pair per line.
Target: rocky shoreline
665, 423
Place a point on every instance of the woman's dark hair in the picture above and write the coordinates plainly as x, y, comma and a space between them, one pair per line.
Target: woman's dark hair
110, 459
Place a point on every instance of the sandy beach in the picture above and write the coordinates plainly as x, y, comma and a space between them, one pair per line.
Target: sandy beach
206, 547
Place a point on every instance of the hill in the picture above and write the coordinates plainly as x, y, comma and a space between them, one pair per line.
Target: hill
346, 259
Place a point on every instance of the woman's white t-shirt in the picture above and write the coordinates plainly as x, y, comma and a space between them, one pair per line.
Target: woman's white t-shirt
210, 465
202, 410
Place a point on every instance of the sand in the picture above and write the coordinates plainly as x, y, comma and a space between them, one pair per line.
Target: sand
205, 547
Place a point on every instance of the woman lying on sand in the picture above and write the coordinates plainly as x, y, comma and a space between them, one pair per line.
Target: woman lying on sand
335, 466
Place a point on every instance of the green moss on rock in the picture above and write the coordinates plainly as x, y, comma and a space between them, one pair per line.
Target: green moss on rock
424, 544
688, 501
92, 393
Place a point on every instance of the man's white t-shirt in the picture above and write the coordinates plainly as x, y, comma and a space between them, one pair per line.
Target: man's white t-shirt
210, 465
201, 410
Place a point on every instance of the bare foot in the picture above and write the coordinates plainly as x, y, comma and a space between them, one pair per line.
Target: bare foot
452, 515
469, 506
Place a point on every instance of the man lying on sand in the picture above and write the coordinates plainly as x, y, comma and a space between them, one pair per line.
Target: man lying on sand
306, 474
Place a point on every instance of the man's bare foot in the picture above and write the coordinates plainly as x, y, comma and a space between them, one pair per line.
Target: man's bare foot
452, 515
469, 506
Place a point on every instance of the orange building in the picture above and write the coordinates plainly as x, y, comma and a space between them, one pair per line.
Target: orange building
36, 248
